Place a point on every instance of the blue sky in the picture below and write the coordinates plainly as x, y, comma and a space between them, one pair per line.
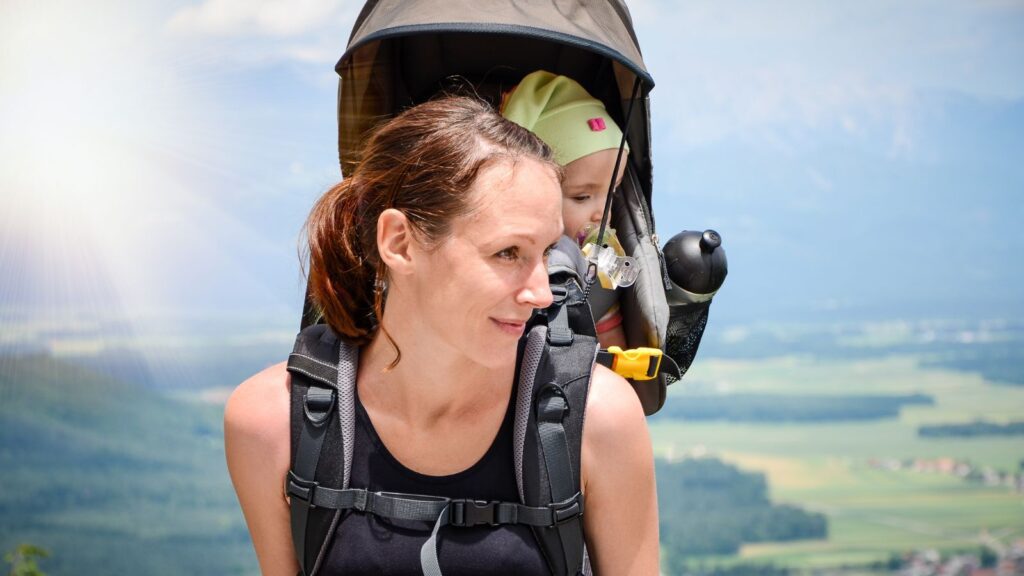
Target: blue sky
861, 160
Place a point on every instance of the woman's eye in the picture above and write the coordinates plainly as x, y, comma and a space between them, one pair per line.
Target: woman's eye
581, 199
548, 250
508, 253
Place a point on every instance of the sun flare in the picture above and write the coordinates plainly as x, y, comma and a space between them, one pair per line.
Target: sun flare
91, 108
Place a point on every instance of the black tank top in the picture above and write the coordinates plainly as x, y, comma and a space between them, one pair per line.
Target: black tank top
370, 545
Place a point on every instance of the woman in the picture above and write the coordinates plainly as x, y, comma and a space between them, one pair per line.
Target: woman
431, 256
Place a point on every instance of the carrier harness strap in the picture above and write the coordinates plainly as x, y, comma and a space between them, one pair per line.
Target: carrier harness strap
551, 409
571, 359
322, 372
321, 367
460, 512
559, 333
318, 404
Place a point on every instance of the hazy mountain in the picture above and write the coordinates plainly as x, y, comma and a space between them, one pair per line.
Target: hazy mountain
113, 478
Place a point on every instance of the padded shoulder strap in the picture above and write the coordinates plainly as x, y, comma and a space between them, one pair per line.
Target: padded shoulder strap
323, 369
556, 360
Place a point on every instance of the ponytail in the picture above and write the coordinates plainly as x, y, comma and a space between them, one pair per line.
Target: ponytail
343, 277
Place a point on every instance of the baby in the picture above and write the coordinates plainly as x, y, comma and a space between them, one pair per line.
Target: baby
585, 141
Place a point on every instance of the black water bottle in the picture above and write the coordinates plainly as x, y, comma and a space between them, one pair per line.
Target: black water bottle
696, 265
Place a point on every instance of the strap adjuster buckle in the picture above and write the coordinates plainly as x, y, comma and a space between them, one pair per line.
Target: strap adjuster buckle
562, 512
304, 490
637, 363
318, 404
473, 513
559, 293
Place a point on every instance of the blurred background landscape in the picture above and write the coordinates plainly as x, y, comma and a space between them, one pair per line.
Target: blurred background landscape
857, 404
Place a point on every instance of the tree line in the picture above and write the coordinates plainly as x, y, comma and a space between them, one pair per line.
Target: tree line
789, 407
976, 428
709, 507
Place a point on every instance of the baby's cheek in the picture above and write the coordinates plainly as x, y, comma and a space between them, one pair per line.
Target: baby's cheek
567, 218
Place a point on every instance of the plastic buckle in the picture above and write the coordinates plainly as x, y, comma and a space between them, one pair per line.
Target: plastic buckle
552, 389
562, 512
472, 513
637, 363
318, 405
302, 489
559, 293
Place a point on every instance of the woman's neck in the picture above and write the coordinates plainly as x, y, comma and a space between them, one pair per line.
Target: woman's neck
432, 382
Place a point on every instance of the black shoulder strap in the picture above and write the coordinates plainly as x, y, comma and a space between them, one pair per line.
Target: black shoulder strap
322, 369
556, 361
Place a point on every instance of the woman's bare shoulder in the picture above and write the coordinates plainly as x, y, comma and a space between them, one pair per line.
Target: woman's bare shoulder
613, 409
259, 408
621, 523
258, 449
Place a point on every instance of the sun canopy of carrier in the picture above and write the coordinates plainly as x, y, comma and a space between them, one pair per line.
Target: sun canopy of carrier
403, 52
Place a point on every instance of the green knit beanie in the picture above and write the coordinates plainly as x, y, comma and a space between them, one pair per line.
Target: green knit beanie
562, 114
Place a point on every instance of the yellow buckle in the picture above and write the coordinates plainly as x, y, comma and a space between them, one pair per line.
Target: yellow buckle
637, 363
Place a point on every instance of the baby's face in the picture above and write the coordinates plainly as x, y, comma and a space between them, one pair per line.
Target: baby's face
585, 189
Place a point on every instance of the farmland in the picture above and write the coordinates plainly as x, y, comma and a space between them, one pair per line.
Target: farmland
874, 480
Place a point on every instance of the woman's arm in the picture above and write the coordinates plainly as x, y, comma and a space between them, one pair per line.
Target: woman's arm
620, 516
257, 442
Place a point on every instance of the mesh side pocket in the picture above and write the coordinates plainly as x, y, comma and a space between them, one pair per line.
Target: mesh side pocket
685, 328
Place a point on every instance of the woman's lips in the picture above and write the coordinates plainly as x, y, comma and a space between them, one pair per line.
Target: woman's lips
514, 327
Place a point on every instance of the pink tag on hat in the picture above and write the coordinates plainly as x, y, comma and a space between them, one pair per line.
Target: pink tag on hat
596, 124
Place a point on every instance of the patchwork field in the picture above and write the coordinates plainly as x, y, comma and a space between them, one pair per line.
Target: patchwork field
841, 469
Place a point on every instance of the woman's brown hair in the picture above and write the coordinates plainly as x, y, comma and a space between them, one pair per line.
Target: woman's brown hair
423, 163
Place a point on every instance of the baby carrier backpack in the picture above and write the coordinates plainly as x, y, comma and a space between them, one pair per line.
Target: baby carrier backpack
400, 53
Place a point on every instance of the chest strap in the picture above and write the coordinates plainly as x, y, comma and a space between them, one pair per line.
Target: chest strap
458, 511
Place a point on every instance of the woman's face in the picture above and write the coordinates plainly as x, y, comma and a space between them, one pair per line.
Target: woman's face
479, 287
585, 189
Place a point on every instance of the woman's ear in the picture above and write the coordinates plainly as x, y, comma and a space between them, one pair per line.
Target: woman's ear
394, 240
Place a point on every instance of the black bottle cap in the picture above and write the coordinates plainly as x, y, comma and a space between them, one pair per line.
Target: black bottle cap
710, 240
696, 261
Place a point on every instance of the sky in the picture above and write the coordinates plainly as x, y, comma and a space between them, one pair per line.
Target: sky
862, 161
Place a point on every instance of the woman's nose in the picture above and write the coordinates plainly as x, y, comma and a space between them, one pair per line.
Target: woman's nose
537, 291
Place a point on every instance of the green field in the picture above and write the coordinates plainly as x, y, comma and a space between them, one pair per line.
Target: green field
825, 467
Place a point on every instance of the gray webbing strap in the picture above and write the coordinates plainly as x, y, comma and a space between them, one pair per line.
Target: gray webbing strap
460, 512
428, 552
384, 504
559, 333
550, 410
321, 372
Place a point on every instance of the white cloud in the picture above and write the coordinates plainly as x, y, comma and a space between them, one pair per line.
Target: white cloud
278, 18
819, 180
901, 142
851, 126
261, 33
730, 69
